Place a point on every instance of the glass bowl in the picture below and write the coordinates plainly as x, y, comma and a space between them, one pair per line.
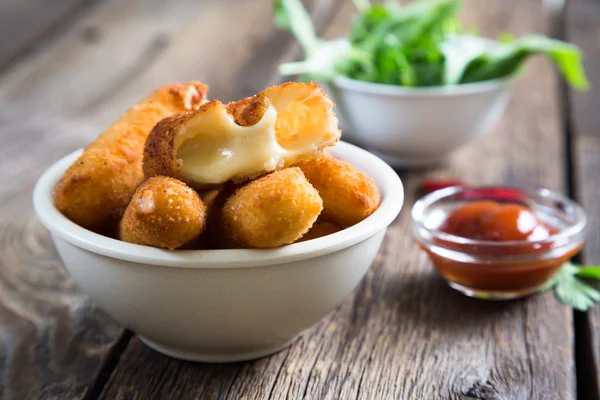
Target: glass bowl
498, 270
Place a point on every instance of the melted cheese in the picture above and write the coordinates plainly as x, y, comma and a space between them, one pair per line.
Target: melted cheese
213, 149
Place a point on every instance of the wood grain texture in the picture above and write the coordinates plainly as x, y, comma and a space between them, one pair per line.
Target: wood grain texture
403, 333
53, 342
583, 29
25, 23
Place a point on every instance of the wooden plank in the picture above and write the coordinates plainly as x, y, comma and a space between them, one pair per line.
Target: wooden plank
403, 333
582, 29
53, 342
24, 23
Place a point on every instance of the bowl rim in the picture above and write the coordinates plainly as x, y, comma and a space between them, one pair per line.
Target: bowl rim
386, 179
460, 89
421, 205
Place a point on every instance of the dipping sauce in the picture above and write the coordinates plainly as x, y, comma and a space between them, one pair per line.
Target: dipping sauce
508, 249
492, 221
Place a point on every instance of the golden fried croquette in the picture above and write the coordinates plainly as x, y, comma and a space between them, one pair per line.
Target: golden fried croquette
245, 139
349, 196
165, 213
97, 187
320, 229
271, 211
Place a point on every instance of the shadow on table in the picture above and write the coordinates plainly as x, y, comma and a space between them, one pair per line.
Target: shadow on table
145, 373
424, 300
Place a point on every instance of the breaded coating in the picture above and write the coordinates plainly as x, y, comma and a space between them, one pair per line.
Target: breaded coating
349, 196
248, 111
165, 213
217, 143
320, 229
97, 187
271, 211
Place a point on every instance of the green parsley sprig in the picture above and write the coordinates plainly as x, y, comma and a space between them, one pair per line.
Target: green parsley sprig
571, 288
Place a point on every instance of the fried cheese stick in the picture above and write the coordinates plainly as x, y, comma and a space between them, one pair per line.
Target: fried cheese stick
242, 140
349, 196
97, 187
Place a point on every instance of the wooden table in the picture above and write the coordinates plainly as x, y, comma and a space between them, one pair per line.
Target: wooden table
70, 67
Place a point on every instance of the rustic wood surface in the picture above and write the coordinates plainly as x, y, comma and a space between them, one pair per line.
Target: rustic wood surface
401, 334
24, 24
583, 29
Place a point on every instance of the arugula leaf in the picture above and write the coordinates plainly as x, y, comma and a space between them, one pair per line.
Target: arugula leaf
573, 291
403, 42
419, 44
410, 24
459, 51
507, 58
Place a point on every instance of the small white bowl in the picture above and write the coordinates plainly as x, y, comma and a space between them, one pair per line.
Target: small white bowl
221, 305
411, 127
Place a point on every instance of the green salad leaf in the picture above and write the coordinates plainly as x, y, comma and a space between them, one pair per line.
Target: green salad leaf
505, 59
418, 44
572, 290
459, 52
401, 43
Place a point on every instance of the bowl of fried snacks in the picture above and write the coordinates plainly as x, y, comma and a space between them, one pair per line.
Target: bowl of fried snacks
219, 232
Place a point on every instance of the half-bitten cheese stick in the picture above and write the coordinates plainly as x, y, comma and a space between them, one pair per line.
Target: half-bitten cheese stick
243, 140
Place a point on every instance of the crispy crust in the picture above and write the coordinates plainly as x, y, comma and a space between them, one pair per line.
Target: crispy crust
159, 159
164, 213
248, 111
291, 84
96, 188
349, 196
190, 96
271, 211
159, 150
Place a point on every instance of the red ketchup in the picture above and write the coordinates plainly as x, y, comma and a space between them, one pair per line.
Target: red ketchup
505, 239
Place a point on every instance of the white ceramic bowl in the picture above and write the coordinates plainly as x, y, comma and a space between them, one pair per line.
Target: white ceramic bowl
221, 305
416, 126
